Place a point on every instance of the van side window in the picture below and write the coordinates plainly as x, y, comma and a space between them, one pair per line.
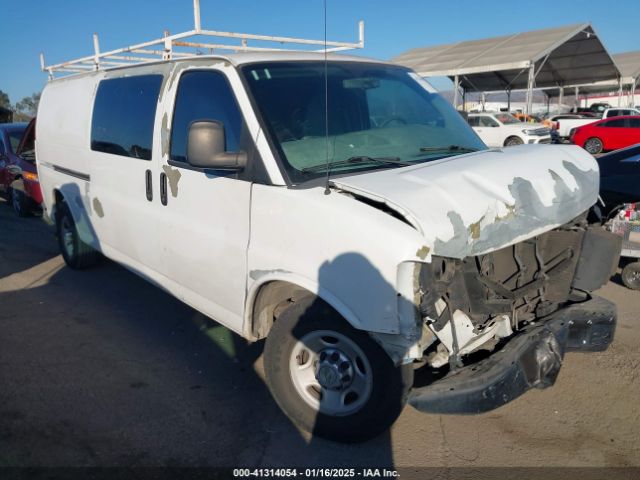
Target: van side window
204, 95
123, 116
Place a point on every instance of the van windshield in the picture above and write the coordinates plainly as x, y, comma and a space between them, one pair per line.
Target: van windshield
378, 112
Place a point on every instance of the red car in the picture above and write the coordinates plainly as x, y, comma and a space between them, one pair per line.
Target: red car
18, 173
609, 134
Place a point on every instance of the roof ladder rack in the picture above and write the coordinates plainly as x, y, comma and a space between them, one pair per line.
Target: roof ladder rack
188, 44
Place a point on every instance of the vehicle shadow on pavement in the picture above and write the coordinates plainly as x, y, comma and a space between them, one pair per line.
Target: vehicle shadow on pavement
101, 368
20, 246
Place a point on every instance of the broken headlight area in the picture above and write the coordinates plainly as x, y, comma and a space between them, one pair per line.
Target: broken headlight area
476, 303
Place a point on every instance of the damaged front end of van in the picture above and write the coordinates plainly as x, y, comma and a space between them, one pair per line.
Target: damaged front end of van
505, 289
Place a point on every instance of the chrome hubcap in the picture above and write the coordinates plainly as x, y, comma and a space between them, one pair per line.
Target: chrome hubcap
592, 146
331, 373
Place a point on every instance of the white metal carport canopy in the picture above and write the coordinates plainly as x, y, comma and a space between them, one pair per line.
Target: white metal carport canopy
628, 64
553, 57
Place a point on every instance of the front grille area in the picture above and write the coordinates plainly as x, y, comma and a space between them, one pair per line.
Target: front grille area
527, 280
540, 131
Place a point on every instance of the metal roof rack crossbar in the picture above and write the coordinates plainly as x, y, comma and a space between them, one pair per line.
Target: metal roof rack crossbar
164, 48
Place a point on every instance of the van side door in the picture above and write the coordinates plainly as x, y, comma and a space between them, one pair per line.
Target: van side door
204, 218
121, 165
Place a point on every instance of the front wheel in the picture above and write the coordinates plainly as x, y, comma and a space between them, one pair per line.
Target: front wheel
511, 141
331, 379
77, 254
631, 275
593, 146
20, 203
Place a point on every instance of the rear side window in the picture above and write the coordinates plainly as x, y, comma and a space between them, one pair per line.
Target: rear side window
123, 115
473, 121
618, 122
204, 95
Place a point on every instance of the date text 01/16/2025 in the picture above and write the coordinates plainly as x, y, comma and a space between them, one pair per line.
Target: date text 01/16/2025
315, 473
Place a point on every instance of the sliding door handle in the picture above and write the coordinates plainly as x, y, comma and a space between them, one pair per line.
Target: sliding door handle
149, 184
163, 188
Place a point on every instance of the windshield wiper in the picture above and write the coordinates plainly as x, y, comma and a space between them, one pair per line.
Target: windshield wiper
352, 160
450, 148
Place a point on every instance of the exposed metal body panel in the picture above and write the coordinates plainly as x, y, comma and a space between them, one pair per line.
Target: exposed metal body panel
487, 206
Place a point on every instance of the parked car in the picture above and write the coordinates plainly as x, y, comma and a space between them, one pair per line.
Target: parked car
358, 243
620, 177
498, 129
609, 134
599, 107
565, 126
18, 172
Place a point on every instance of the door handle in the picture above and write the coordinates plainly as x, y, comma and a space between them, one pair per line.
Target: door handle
163, 188
149, 185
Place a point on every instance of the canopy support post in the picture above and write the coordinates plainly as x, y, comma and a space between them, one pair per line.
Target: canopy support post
530, 81
576, 100
619, 92
508, 99
456, 87
464, 99
548, 100
560, 97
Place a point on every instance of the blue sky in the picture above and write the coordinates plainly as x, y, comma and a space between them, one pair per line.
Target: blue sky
62, 29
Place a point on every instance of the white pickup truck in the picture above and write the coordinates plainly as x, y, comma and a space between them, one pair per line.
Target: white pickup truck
565, 126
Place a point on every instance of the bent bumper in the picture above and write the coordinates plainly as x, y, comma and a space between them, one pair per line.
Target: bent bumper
531, 359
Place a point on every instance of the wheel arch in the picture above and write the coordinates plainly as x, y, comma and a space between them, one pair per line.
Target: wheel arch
509, 137
78, 211
272, 293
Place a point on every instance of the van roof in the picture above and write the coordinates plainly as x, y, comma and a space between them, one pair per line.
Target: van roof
239, 59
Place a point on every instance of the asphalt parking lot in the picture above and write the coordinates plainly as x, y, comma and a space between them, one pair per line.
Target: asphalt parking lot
100, 368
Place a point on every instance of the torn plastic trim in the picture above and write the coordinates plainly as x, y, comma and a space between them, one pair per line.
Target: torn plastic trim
531, 359
382, 204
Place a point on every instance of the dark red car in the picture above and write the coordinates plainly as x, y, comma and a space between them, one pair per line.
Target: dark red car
608, 134
18, 173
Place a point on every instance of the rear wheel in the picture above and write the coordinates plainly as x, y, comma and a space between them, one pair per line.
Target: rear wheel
20, 203
631, 275
76, 253
331, 379
509, 142
593, 145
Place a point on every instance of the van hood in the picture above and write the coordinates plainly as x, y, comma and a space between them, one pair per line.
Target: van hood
476, 203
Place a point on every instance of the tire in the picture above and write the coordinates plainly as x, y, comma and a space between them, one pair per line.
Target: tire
593, 145
20, 203
511, 141
631, 275
77, 254
367, 389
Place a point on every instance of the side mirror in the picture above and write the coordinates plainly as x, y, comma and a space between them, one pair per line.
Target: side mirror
206, 147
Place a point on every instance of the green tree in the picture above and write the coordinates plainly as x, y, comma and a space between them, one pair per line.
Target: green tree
4, 100
28, 106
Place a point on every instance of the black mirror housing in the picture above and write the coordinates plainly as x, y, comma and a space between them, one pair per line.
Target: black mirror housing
206, 147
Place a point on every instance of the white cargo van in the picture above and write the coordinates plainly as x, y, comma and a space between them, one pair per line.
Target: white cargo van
345, 212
